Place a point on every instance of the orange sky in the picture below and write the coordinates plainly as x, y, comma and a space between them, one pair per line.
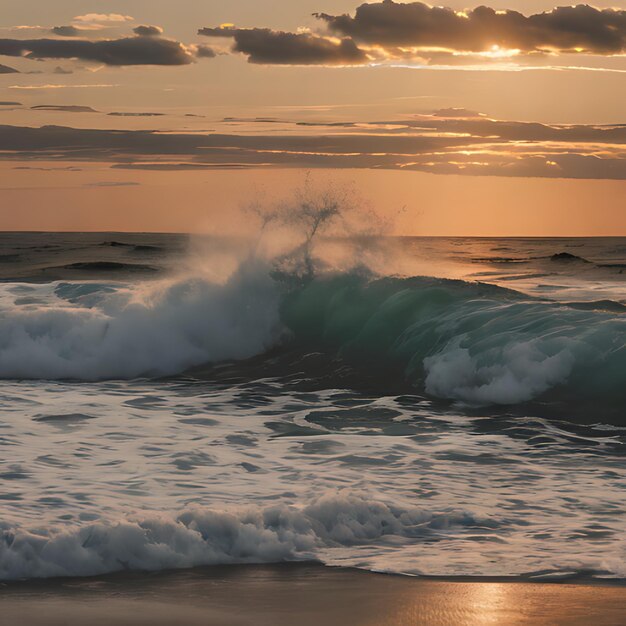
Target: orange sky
506, 178
418, 203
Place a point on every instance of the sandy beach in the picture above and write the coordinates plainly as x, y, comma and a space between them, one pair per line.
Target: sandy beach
305, 594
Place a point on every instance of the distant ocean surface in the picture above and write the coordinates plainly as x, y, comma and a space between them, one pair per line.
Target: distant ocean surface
451, 407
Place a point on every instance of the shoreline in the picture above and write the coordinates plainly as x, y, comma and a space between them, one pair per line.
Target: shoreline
308, 594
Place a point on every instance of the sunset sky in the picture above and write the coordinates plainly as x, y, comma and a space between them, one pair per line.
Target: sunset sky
153, 115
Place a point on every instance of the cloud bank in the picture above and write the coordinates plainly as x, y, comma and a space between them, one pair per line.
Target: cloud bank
385, 31
447, 141
580, 28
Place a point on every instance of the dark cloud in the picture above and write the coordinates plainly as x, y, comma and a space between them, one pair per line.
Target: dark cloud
69, 168
148, 31
135, 114
415, 24
67, 108
67, 31
5, 69
204, 52
126, 51
178, 167
111, 145
61, 70
271, 47
10, 103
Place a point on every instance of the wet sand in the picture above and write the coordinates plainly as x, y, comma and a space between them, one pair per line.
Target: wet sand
305, 595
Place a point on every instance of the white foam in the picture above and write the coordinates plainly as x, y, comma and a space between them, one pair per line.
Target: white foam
517, 372
208, 537
146, 330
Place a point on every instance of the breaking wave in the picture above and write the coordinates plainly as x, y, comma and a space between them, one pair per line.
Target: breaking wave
469, 342
96, 331
199, 537
466, 342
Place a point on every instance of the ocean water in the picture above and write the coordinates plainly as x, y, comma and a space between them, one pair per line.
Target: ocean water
442, 407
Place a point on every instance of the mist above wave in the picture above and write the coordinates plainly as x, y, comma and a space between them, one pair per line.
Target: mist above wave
96, 331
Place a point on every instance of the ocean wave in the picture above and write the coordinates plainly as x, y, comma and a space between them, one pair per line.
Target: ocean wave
466, 342
97, 332
201, 536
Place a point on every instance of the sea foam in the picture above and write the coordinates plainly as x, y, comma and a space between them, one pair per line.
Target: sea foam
96, 332
203, 536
